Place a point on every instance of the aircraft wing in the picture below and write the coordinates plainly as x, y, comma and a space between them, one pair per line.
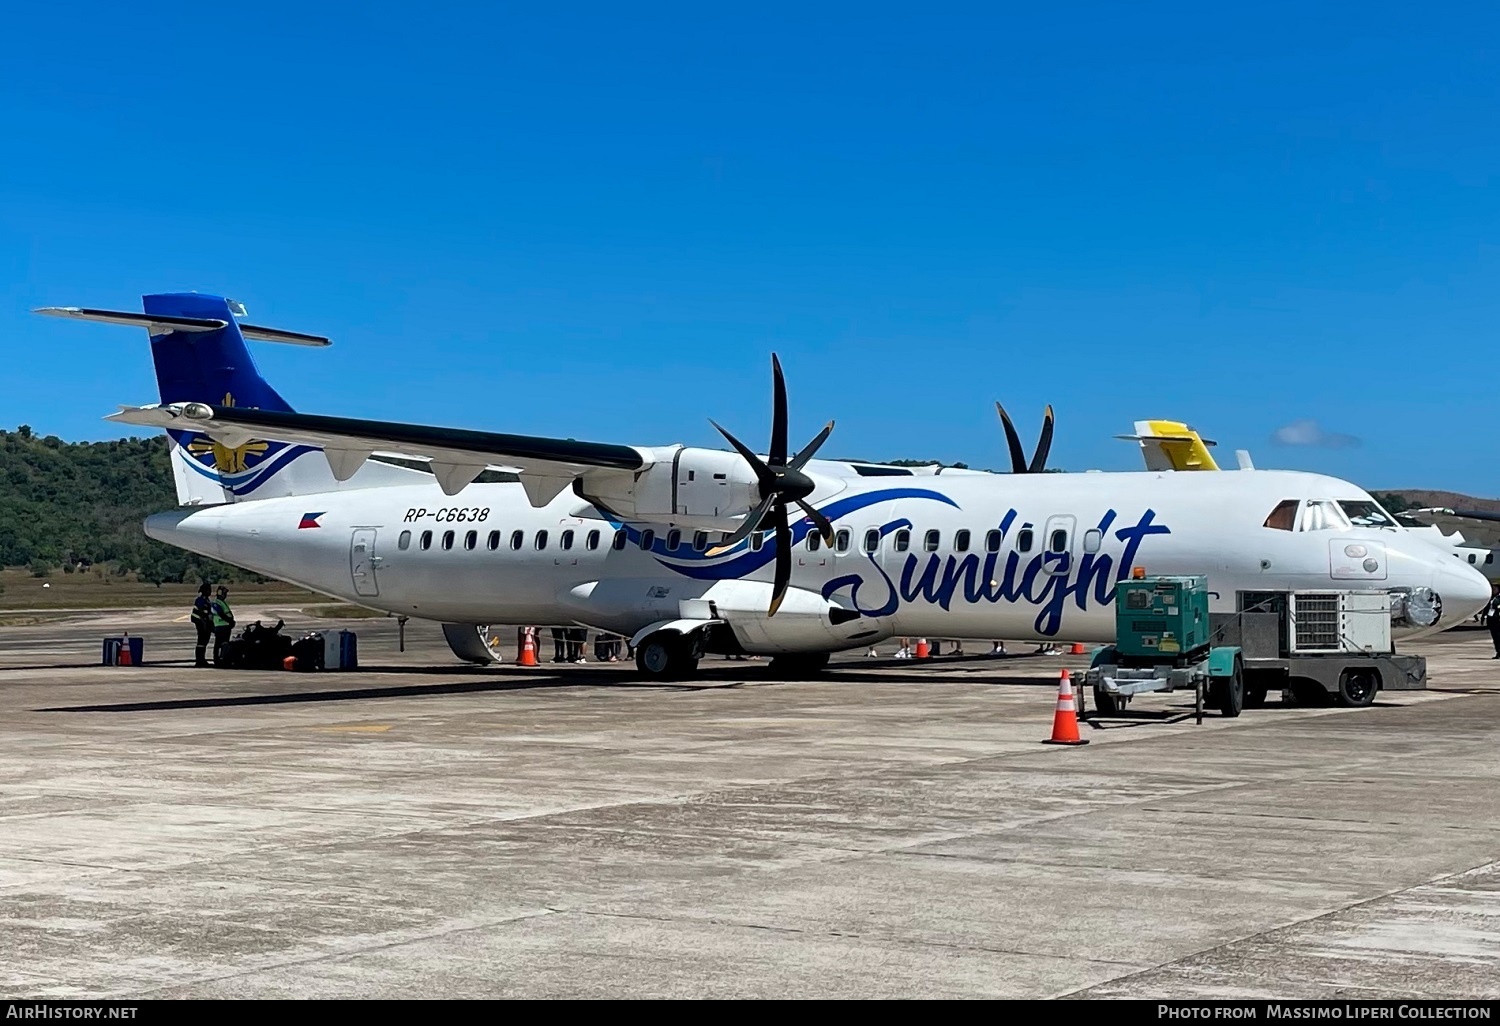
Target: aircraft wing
1473, 526
546, 465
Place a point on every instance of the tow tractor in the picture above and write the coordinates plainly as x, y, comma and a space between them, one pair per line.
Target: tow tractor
1163, 633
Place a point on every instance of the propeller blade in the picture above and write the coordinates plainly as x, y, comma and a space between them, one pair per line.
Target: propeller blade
783, 559
825, 528
763, 475
811, 448
751, 523
1044, 444
1017, 454
778, 415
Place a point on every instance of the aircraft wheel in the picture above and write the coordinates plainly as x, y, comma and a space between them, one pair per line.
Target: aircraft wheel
666, 655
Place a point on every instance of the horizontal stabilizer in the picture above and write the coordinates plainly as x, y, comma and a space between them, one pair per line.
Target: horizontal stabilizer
161, 324
291, 338
157, 324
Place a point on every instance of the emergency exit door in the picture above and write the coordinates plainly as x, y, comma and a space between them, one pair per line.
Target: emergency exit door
362, 561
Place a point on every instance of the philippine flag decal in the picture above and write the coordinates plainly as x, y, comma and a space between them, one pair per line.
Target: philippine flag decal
310, 520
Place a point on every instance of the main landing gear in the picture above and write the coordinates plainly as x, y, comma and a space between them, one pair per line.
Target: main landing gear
669, 655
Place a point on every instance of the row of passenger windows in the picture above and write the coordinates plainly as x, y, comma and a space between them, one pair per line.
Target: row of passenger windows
1057, 542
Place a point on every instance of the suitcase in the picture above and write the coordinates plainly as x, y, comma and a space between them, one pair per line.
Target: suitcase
113, 647
348, 651
331, 650
309, 652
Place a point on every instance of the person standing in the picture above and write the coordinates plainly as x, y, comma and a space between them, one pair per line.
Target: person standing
559, 645
223, 623
1494, 624
203, 622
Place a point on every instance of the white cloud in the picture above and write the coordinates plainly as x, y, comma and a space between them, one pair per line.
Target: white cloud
1309, 433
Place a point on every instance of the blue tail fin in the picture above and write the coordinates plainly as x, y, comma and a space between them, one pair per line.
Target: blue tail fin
214, 366
207, 366
200, 354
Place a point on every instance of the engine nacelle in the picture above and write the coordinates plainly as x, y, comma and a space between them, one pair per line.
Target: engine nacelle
702, 488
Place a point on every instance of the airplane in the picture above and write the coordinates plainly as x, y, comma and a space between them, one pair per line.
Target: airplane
1470, 535
689, 550
1474, 534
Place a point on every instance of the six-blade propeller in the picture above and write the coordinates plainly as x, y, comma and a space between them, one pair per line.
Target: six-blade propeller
780, 481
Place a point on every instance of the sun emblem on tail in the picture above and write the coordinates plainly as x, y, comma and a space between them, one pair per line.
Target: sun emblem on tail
227, 460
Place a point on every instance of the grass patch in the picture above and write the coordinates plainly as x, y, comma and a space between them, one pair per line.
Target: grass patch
101, 590
342, 611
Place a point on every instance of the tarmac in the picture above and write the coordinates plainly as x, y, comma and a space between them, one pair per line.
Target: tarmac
420, 828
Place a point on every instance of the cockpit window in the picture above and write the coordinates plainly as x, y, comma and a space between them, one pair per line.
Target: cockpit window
1284, 516
1322, 515
1365, 513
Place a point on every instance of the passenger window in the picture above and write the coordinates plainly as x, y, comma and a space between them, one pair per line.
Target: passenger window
903, 540
992, 541
621, 539
541, 540
1023, 540
404, 542
814, 541
471, 539
447, 540
930, 542
674, 539
1473, 559
841, 541
1489, 558
566, 540
426, 539
757, 541
648, 539
1284, 516
591, 542
493, 541
1093, 540
1059, 541
517, 539
872, 540
700, 541
961, 541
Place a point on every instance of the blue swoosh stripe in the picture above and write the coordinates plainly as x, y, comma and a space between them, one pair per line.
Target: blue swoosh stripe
748, 561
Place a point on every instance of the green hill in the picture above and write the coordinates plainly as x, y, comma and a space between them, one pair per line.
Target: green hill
66, 506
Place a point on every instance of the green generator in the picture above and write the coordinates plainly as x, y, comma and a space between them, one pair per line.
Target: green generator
1161, 619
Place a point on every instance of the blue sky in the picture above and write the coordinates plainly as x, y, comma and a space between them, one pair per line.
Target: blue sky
599, 222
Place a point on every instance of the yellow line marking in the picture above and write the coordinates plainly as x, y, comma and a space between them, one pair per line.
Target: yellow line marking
183, 618
356, 728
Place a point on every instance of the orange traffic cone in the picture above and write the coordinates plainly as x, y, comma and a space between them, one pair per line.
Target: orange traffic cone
1065, 720
124, 657
923, 650
528, 648
1078, 648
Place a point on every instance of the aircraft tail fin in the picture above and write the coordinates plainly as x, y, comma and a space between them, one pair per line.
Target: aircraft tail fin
198, 348
1171, 445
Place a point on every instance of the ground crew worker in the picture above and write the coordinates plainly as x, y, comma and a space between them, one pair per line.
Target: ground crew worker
203, 623
1494, 624
223, 623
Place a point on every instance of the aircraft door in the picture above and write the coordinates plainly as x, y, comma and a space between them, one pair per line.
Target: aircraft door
1058, 543
363, 561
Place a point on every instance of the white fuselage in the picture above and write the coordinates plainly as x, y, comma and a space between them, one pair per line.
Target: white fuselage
1012, 556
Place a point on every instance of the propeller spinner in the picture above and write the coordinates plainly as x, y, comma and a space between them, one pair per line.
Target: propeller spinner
779, 482
1018, 464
